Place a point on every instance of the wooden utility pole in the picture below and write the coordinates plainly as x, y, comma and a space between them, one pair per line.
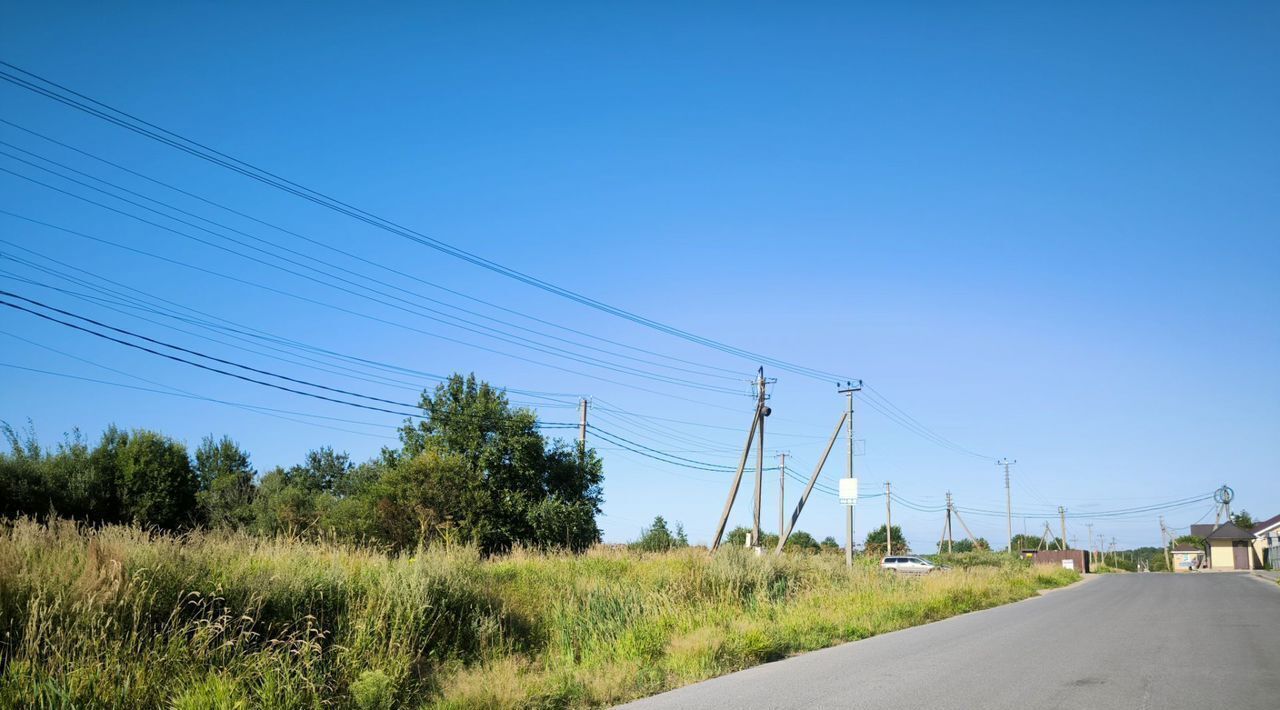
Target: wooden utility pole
888, 521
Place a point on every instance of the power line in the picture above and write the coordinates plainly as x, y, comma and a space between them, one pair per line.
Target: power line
353, 255
381, 296
127, 121
235, 330
342, 309
175, 358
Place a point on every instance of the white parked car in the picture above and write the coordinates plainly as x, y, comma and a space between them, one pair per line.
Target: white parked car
910, 565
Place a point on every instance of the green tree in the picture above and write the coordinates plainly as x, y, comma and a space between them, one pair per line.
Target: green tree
1242, 520
429, 496
737, 537
965, 545
158, 485
876, 542
285, 503
659, 538
529, 490
24, 489
323, 470
801, 541
106, 496
1032, 542
829, 544
226, 482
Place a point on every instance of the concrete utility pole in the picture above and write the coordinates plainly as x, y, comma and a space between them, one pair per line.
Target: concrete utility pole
1062, 518
1008, 500
848, 390
1090, 539
755, 521
948, 522
582, 432
888, 521
782, 492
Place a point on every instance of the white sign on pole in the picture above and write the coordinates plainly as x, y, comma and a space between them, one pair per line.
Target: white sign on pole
848, 491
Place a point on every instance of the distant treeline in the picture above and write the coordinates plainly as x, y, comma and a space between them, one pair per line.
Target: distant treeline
474, 470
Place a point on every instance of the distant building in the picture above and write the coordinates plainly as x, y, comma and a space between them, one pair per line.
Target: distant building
1187, 557
1227, 546
1266, 543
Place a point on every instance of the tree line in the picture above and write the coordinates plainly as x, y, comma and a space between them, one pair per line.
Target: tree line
473, 469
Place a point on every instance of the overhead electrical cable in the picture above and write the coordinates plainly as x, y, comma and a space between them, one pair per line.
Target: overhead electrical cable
354, 255
382, 297
169, 206
93, 107
209, 368
339, 308
216, 323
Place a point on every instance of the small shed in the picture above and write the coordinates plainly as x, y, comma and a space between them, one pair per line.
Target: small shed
1187, 557
1230, 547
1071, 559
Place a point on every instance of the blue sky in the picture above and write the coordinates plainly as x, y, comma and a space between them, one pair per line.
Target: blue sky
1045, 233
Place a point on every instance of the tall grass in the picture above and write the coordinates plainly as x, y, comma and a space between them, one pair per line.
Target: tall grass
118, 617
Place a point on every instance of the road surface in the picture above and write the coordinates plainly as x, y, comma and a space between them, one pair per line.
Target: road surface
1118, 641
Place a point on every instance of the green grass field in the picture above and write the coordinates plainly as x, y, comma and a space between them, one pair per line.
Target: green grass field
121, 618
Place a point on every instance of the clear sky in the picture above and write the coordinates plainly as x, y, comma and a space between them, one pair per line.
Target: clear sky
1047, 233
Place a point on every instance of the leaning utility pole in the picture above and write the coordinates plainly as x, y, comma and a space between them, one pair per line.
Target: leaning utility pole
888, 521
849, 389
813, 479
1166, 541
782, 491
757, 421
1062, 518
1008, 500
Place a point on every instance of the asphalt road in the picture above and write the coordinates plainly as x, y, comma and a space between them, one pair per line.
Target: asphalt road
1118, 641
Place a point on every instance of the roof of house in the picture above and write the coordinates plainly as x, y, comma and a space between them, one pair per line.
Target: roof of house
1202, 530
1229, 531
1262, 528
1187, 547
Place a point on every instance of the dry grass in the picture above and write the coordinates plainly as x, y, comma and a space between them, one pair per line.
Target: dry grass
118, 617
